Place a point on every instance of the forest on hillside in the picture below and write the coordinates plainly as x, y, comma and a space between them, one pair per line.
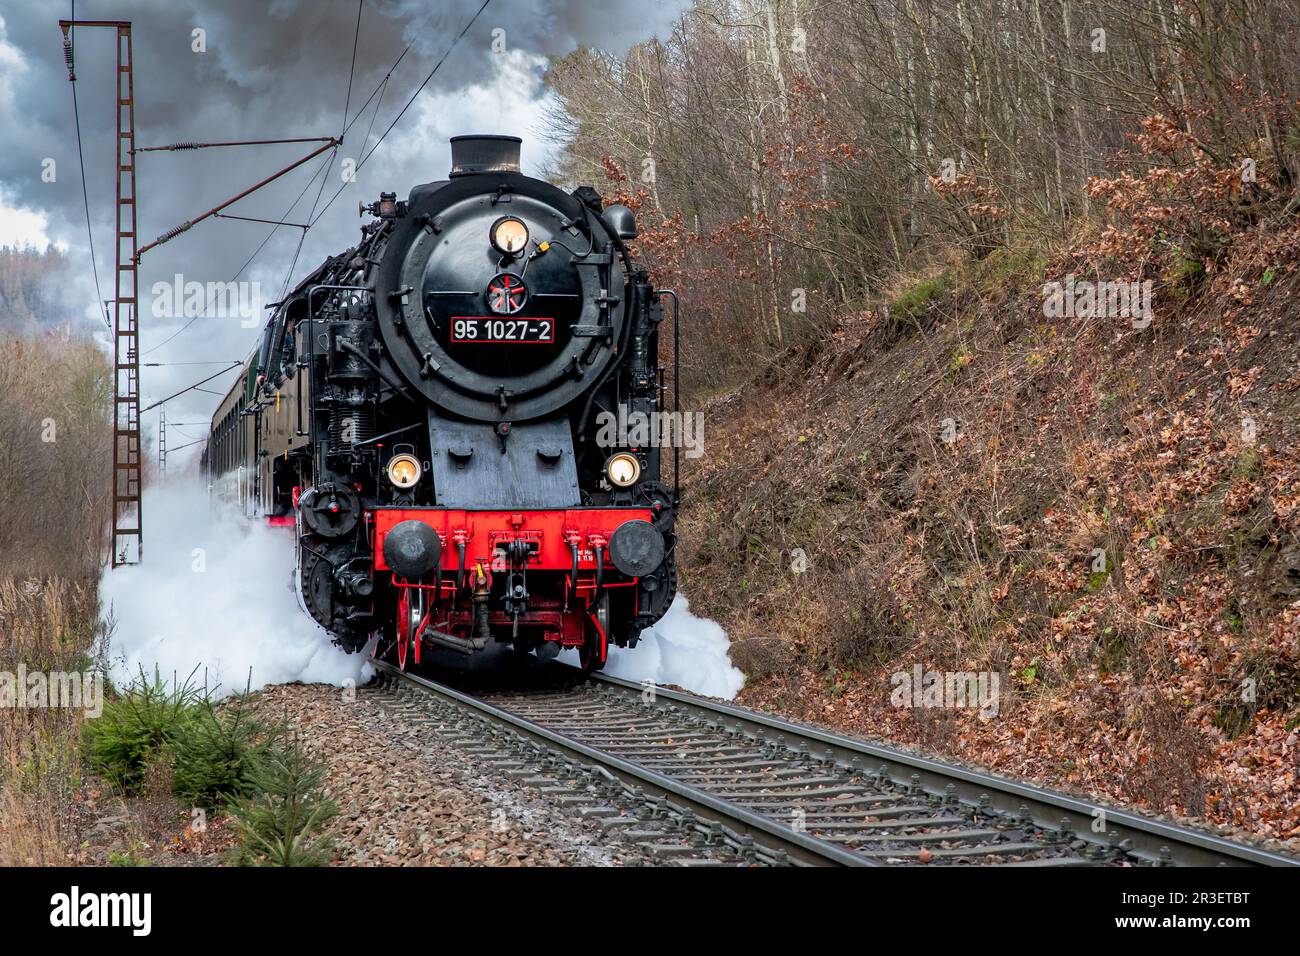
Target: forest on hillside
791, 158
29, 291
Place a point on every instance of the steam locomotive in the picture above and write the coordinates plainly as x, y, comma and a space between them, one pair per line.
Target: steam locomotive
422, 411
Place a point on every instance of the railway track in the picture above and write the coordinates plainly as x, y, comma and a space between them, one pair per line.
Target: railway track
769, 791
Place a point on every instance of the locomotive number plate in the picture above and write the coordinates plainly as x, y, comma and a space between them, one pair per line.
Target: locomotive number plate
465, 328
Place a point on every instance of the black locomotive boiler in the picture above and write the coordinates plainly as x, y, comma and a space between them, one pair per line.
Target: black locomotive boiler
423, 410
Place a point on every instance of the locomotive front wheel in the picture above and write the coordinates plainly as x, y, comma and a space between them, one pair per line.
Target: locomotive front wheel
588, 656
595, 645
403, 625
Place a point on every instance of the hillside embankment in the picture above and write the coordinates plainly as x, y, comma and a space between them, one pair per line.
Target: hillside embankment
1101, 510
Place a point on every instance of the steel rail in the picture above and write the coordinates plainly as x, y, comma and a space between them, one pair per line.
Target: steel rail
1150, 839
799, 847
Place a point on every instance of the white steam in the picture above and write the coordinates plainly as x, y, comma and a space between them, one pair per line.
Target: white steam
215, 597
683, 650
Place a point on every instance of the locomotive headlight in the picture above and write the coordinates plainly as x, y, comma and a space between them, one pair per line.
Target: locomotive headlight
509, 235
404, 470
623, 470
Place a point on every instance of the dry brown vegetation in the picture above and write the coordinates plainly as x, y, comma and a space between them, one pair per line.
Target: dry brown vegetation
54, 449
29, 294
45, 625
789, 159
55, 456
1165, 671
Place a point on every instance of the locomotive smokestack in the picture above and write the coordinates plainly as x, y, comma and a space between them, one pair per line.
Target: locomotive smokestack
484, 154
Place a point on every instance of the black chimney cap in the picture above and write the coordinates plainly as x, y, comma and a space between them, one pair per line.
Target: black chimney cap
481, 153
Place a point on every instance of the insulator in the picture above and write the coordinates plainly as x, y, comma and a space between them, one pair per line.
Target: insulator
67, 57
173, 233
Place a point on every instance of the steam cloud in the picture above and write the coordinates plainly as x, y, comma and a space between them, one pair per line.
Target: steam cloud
683, 650
215, 593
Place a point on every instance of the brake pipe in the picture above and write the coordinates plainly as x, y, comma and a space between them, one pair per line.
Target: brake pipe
598, 545
460, 537
572, 597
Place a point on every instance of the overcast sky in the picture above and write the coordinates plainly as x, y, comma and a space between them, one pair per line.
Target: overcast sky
271, 68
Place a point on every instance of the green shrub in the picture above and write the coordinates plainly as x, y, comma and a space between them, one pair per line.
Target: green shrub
280, 824
129, 857
218, 758
215, 755
1183, 275
916, 298
1010, 268
136, 728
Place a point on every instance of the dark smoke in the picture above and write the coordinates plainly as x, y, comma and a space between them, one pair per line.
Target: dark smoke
277, 69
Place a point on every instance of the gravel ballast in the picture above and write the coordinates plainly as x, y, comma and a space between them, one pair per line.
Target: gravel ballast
410, 794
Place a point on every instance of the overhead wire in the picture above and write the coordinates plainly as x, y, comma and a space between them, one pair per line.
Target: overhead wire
325, 165
418, 90
356, 35
163, 364
322, 168
347, 103
76, 118
312, 220
163, 401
